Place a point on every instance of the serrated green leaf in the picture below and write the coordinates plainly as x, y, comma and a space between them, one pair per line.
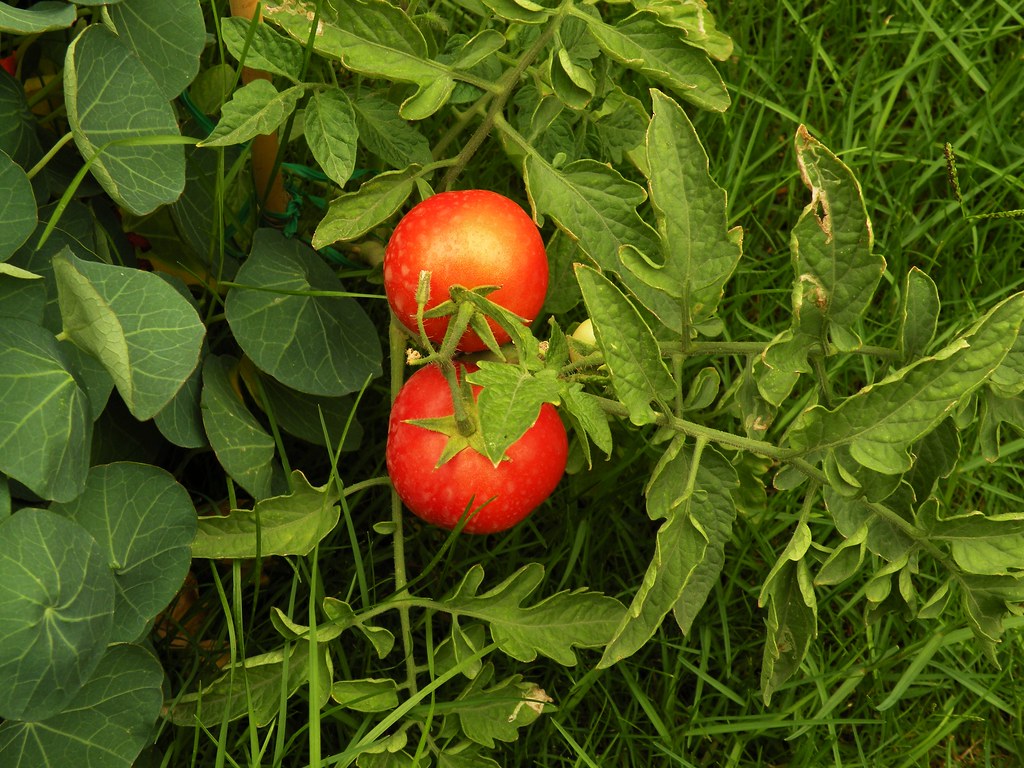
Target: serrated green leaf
56, 611
475, 50
987, 600
291, 524
631, 352
46, 422
146, 334
268, 51
694, 19
640, 42
111, 96
243, 447
386, 134
588, 415
884, 537
108, 722
982, 544
698, 251
355, 213
17, 207
788, 596
168, 36
40, 17
521, 11
690, 547
489, 713
255, 109
883, 419
372, 37
832, 244
919, 314
510, 402
144, 522
552, 627
427, 99
369, 695
341, 614
330, 129
254, 688
293, 328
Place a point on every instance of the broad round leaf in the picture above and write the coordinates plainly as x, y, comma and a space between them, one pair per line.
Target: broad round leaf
56, 606
45, 422
321, 345
146, 334
107, 724
18, 137
17, 207
41, 17
111, 96
144, 522
243, 447
167, 35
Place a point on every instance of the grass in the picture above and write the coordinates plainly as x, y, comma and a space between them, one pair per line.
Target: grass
885, 86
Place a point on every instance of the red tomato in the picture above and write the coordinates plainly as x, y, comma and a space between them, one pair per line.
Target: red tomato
440, 495
470, 238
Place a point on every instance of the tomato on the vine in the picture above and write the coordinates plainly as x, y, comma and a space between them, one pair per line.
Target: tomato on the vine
470, 238
496, 497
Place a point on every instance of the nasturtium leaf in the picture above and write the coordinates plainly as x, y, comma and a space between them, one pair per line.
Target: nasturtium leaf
46, 423
40, 17
17, 206
509, 403
690, 547
880, 422
107, 723
181, 420
353, 214
111, 96
56, 609
386, 134
243, 447
315, 343
18, 136
698, 249
5, 498
292, 524
792, 618
144, 522
640, 42
168, 36
919, 315
552, 627
268, 51
255, 109
146, 334
254, 687
630, 349
369, 695
330, 130
307, 416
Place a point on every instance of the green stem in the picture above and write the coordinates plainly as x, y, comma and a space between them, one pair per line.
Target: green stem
506, 87
397, 349
49, 155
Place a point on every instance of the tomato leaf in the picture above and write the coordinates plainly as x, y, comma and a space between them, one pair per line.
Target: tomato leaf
254, 109
919, 315
788, 595
552, 627
509, 403
698, 250
268, 51
291, 524
880, 422
353, 214
690, 547
630, 350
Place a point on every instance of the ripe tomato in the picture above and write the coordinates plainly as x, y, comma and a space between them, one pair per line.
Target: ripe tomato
470, 238
440, 495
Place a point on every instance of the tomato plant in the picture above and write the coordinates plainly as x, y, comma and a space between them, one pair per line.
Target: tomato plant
497, 497
471, 238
